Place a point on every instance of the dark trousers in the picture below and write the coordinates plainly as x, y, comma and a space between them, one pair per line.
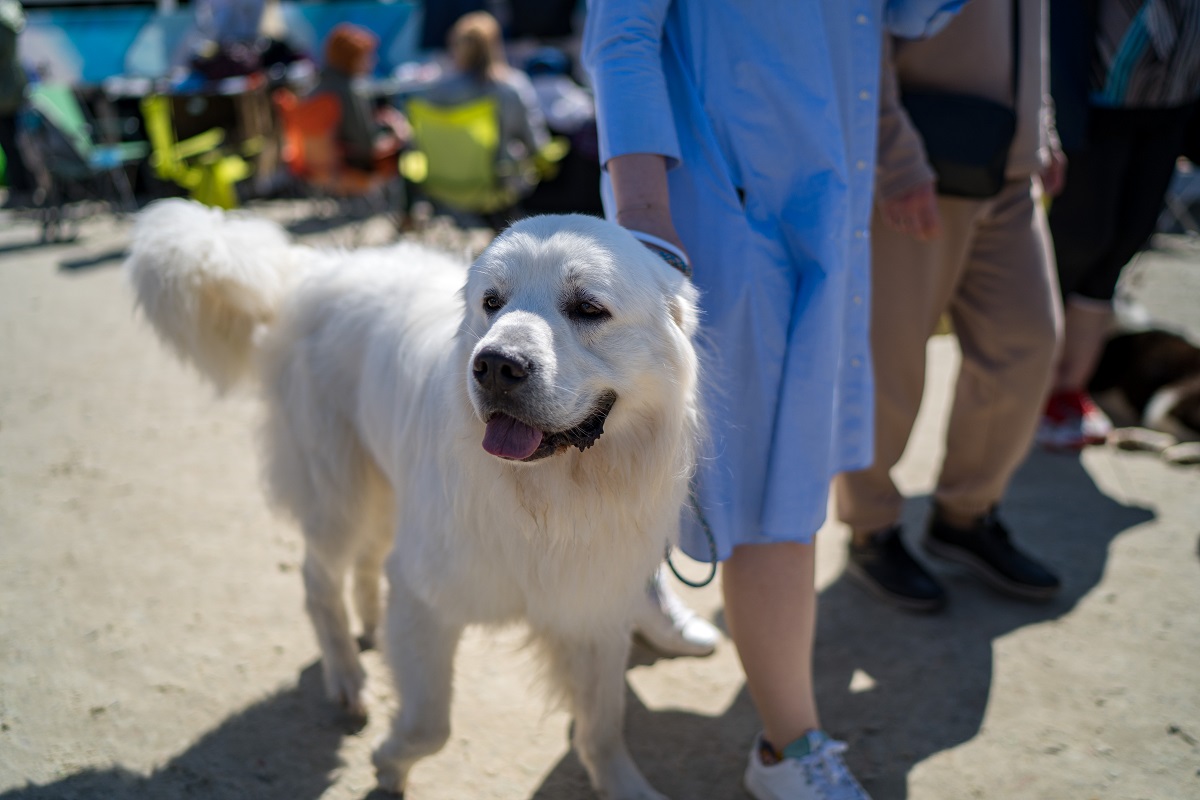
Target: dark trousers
1114, 195
18, 175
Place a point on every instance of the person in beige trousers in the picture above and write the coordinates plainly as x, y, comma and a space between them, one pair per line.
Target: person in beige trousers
988, 264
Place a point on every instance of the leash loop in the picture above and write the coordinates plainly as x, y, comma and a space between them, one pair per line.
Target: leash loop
712, 546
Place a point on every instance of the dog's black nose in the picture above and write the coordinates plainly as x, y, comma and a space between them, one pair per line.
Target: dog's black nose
495, 371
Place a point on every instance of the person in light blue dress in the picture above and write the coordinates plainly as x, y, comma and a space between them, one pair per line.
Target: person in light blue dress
742, 136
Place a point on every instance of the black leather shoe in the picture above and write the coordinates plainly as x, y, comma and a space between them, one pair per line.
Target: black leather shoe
985, 549
885, 568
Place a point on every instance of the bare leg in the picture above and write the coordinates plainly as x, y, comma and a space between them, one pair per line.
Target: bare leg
1086, 327
770, 607
591, 672
420, 649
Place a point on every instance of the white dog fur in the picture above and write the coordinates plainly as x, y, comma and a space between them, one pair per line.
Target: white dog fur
374, 366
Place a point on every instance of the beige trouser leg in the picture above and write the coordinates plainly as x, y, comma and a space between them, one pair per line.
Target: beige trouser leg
992, 270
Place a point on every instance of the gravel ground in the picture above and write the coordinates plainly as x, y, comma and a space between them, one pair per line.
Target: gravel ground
153, 642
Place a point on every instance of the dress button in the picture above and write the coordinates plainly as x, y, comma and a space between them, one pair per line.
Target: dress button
860, 234
864, 95
861, 19
858, 299
856, 362
860, 164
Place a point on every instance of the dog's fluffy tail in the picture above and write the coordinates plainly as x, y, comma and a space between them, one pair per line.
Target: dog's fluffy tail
211, 283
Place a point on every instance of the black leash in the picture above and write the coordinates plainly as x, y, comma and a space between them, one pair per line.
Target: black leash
712, 546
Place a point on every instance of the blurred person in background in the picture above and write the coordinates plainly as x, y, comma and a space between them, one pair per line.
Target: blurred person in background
480, 68
370, 136
982, 255
20, 180
1126, 78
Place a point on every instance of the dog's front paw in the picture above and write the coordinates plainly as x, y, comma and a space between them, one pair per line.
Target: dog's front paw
344, 686
391, 772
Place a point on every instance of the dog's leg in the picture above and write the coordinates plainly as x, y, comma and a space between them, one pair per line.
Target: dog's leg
324, 585
420, 649
368, 574
375, 540
592, 674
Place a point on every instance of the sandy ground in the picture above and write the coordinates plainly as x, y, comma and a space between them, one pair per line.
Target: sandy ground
153, 642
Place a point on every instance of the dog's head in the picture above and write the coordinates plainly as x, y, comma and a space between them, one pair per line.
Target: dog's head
574, 328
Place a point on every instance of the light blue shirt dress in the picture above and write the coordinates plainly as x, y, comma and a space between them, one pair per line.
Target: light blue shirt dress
766, 111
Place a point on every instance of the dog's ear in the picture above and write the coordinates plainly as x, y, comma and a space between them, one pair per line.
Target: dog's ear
682, 306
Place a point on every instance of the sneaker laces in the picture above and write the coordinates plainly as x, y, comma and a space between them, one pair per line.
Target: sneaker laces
825, 769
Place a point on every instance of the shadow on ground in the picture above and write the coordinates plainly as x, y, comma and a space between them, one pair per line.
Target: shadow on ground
317, 223
283, 748
19, 247
111, 257
930, 677
922, 683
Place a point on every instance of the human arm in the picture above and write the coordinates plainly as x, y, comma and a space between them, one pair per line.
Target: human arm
905, 182
393, 124
1054, 168
1054, 174
638, 143
639, 182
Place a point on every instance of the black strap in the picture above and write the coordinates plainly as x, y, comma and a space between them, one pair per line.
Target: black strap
1016, 49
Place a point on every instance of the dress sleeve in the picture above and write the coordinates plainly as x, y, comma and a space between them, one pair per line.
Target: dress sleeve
902, 163
919, 19
622, 51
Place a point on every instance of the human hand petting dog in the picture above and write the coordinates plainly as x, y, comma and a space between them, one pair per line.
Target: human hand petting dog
914, 212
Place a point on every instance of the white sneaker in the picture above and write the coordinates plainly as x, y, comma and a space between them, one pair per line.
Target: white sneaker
811, 769
669, 626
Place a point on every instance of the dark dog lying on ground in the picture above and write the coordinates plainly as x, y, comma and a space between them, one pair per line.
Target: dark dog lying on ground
1149, 383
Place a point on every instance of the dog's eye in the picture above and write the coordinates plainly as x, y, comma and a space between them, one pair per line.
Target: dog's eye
491, 303
586, 309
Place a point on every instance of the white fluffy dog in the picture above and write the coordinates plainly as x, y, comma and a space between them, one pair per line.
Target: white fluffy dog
518, 433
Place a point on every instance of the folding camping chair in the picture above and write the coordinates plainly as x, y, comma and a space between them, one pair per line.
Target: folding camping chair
78, 166
313, 158
198, 163
455, 159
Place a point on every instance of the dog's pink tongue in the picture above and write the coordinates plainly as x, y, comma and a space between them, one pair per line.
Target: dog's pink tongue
507, 438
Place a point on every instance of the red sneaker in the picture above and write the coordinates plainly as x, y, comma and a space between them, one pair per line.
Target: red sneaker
1072, 421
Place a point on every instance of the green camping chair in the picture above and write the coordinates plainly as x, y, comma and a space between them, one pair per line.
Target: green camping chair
199, 163
73, 157
455, 161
